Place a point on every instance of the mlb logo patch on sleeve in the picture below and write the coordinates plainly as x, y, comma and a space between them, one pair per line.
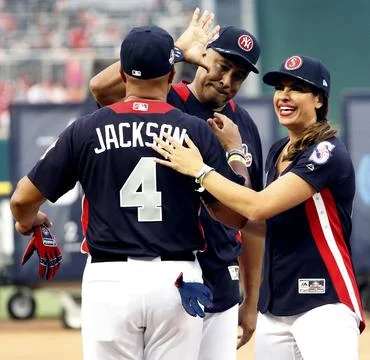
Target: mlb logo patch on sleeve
234, 272
311, 286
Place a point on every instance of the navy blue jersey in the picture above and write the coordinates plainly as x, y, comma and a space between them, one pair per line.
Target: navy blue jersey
223, 248
135, 206
307, 253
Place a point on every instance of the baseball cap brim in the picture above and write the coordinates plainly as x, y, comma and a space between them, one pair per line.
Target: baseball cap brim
250, 65
273, 78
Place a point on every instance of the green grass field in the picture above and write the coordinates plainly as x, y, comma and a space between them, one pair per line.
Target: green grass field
47, 302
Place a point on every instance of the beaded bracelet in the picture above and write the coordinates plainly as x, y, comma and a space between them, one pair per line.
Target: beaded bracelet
237, 157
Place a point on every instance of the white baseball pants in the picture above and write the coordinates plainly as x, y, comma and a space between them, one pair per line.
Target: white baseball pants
328, 332
132, 311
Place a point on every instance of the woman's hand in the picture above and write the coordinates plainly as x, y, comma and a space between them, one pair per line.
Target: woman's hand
187, 161
226, 131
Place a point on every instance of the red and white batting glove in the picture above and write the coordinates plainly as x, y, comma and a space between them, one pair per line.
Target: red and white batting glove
50, 256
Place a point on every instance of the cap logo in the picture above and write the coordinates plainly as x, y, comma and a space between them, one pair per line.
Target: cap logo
245, 42
136, 72
322, 152
324, 83
293, 63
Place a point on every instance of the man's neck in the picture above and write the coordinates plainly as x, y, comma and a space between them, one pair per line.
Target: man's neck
134, 97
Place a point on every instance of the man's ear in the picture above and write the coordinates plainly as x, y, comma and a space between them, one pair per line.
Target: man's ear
172, 75
319, 101
123, 76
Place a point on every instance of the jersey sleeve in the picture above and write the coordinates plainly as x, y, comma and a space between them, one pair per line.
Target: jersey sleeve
56, 171
321, 164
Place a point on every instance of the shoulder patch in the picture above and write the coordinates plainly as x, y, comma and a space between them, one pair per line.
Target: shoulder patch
322, 152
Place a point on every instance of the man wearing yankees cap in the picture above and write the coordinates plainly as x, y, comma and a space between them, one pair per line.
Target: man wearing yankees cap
225, 58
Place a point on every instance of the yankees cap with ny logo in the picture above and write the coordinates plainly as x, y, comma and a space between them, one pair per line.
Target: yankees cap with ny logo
237, 42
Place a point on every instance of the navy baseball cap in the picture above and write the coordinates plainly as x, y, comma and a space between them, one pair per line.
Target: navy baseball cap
238, 42
147, 52
304, 68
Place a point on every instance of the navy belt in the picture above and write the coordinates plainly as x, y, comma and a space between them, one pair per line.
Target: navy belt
182, 256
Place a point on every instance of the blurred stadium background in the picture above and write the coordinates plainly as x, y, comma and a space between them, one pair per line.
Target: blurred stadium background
49, 49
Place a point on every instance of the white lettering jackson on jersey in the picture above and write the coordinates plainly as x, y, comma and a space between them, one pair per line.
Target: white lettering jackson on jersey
109, 138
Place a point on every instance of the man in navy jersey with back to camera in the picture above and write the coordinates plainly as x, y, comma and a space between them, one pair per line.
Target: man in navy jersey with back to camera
131, 308
225, 62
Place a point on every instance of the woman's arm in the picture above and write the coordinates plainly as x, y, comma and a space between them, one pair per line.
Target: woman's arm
286, 192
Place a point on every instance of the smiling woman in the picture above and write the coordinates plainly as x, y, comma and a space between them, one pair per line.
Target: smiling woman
307, 204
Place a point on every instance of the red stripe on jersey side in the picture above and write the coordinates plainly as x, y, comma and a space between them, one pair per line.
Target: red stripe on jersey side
239, 237
232, 104
202, 233
200, 226
182, 90
141, 106
84, 249
84, 224
332, 259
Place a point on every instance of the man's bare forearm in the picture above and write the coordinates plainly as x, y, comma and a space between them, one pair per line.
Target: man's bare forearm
251, 258
240, 169
25, 204
107, 86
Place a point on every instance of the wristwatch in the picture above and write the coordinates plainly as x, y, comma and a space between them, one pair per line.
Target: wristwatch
179, 56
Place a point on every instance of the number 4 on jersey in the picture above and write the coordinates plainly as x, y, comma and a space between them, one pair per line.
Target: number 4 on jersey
148, 200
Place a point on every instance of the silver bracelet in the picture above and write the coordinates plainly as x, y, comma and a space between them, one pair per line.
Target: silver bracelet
200, 177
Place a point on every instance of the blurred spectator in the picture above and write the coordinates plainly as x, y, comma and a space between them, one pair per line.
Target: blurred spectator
77, 38
22, 85
47, 46
38, 93
57, 93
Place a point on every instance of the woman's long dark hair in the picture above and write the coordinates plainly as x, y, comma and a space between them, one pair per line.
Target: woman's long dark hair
315, 133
